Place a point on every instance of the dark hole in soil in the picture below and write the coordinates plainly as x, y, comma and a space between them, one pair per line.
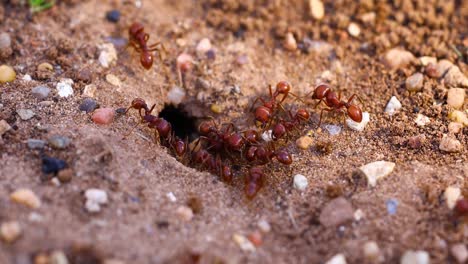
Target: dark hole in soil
183, 125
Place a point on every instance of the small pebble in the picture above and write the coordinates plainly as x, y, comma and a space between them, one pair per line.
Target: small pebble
267, 136
243, 243
372, 252
453, 127
392, 206
184, 62
113, 261
358, 126
171, 197
337, 259
10, 231
416, 141
211, 54
103, 116
90, 90
461, 207
242, 59
59, 142
185, 213
7, 74
456, 97
58, 257
36, 143
45, 66
460, 253
336, 212
451, 195
358, 215
392, 106
376, 171
304, 142
317, 9
94, 199
4, 127
256, 238
176, 95
264, 226
421, 120
107, 55
425, 60
27, 78
35, 217
459, 117
216, 108
354, 30
25, 114
40, 92
88, 105
397, 58
65, 175
333, 129
450, 144
317, 46
432, 71
203, 46
113, 16
5, 45
415, 257
26, 197
300, 182
52, 165
290, 42
415, 82
455, 78
64, 87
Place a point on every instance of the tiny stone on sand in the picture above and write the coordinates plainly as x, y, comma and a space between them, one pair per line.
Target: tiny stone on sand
376, 171
421, 120
337, 259
264, 226
358, 126
336, 212
372, 252
10, 231
90, 90
354, 30
397, 58
304, 142
107, 55
185, 213
415, 257
317, 9
94, 199
450, 144
7, 74
415, 82
26, 197
112, 79
64, 88
451, 195
459, 117
456, 97
25, 114
290, 42
300, 182
243, 243
453, 127
171, 197
103, 116
176, 95
392, 106
203, 46
40, 92
460, 253
333, 129
4, 127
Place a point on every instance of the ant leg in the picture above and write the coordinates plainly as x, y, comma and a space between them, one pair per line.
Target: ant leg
154, 46
269, 88
321, 113
148, 111
255, 101
321, 100
357, 96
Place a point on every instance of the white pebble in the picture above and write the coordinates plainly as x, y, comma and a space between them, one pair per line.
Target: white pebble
185, 213
264, 226
337, 259
300, 182
243, 243
392, 106
421, 120
89, 90
4, 127
267, 136
333, 129
64, 87
107, 54
377, 170
35, 217
94, 199
112, 79
415, 257
358, 215
25, 114
176, 95
203, 46
460, 253
58, 257
290, 42
456, 97
451, 195
372, 252
415, 82
353, 29
27, 78
358, 126
449, 143
317, 9
425, 60
397, 58
171, 197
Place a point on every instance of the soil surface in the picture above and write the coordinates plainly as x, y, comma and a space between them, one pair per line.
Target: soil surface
140, 224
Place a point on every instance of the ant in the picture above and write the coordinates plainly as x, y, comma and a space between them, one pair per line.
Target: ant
254, 181
324, 93
214, 164
219, 139
264, 113
264, 154
285, 127
139, 40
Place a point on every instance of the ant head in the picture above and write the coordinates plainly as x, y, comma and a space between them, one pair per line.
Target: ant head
135, 28
302, 114
284, 157
226, 173
283, 87
180, 147
236, 142
321, 91
205, 128
138, 103
355, 113
146, 59
250, 154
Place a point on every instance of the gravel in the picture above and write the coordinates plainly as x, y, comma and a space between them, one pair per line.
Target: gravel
354, 30
52, 165
304, 142
336, 212
456, 97
392, 206
185, 213
290, 42
5, 46
103, 116
421, 120
107, 55
397, 58
415, 82
451, 195
10, 231
90, 90
376, 171
358, 126
337, 259
450, 144
25, 114
176, 95
64, 87
59, 142
317, 9
460, 253
415, 257
95, 198
35, 143
26, 197
300, 182
243, 243
113, 16
88, 105
40, 92
392, 106
203, 47
372, 252
4, 127
114, 80
7, 74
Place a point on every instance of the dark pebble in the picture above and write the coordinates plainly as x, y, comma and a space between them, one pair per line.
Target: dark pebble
52, 165
211, 54
88, 105
113, 16
35, 143
121, 110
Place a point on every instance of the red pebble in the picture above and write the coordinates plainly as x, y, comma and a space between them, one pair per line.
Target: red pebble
462, 207
103, 116
256, 238
184, 62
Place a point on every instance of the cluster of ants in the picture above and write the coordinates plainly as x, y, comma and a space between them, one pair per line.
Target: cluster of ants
220, 146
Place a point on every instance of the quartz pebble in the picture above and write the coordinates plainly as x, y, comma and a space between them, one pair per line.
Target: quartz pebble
415, 82
455, 78
243, 243
203, 46
456, 97
107, 55
95, 198
392, 106
26, 197
90, 90
64, 87
35, 143
415, 257
372, 252
397, 58
318, 46
114, 80
304, 142
290, 42
459, 117
451, 195
7, 74
185, 213
421, 120
450, 144
300, 182
336, 212
377, 170
264, 226
333, 129
25, 114
27, 78
317, 9
171, 197
460, 253
10, 231
358, 215
176, 95
267, 136
425, 60
392, 206
184, 62
354, 30
59, 142
453, 127
4, 127
358, 126
337, 259
5, 45
40, 92
103, 116
88, 105
58, 257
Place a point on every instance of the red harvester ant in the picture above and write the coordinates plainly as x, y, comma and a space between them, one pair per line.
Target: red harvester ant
139, 40
254, 181
214, 164
324, 93
264, 154
285, 127
221, 138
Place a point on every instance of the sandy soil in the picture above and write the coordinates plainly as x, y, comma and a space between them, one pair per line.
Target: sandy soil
140, 224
